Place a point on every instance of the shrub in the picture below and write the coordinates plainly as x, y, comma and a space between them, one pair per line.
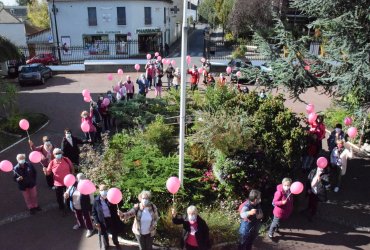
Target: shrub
239, 52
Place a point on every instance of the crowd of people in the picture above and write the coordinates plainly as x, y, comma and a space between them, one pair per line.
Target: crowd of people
97, 213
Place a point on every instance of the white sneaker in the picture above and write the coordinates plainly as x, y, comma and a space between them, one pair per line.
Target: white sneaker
89, 233
76, 227
336, 189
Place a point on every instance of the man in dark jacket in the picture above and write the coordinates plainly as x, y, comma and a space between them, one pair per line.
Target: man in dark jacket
70, 147
25, 176
195, 230
106, 218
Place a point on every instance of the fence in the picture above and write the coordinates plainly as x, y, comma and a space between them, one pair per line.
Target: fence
92, 51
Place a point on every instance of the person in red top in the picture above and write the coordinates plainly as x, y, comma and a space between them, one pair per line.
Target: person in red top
150, 74
60, 167
283, 205
194, 77
46, 149
319, 129
195, 230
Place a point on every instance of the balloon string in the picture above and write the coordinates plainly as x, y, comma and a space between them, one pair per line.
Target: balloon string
28, 135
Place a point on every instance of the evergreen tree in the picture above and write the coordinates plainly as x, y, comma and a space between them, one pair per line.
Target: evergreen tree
344, 71
38, 14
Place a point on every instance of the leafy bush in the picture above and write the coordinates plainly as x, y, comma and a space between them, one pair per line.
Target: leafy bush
334, 115
239, 52
11, 124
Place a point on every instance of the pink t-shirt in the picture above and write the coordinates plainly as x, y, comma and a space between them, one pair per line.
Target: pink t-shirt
191, 240
129, 87
60, 170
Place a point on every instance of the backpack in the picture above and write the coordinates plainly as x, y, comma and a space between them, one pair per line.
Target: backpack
242, 205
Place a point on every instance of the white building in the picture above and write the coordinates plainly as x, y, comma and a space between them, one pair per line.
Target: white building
12, 28
104, 27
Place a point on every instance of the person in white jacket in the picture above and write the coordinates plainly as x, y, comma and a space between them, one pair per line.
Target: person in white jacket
338, 160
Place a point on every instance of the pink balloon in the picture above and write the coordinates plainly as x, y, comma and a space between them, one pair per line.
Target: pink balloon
35, 157
87, 98
312, 117
173, 185
173, 62
228, 70
296, 187
322, 162
85, 127
85, 92
164, 60
24, 124
188, 59
352, 132
114, 195
238, 74
156, 54
116, 88
307, 68
110, 77
200, 70
137, 67
159, 58
86, 187
69, 180
120, 72
310, 108
106, 102
348, 121
6, 166
148, 56
202, 59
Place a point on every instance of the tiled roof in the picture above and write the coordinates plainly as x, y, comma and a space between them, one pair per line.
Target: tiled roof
6, 17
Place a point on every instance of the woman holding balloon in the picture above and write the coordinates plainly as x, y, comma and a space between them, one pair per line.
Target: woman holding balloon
318, 179
25, 175
145, 222
87, 124
283, 205
195, 230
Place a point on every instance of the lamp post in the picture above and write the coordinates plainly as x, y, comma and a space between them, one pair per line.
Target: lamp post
56, 31
184, 41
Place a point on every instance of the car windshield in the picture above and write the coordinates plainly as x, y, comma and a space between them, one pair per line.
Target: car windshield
29, 69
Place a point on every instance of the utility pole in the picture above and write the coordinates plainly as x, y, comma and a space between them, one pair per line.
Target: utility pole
184, 42
56, 31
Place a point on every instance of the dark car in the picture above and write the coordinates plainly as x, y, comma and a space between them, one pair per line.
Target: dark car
34, 73
248, 71
13, 67
44, 58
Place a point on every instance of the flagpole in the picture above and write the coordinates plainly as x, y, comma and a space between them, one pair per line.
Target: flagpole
184, 42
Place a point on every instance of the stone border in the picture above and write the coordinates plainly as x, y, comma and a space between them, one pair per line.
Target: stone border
9, 147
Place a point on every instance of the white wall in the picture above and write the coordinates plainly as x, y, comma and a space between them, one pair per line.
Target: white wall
15, 32
72, 18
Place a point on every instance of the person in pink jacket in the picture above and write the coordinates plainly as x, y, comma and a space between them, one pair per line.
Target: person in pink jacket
87, 117
283, 205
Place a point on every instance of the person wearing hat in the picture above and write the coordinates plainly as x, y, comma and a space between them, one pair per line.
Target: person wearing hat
143, 85
46, 149
60, 167
194, 77
25, 175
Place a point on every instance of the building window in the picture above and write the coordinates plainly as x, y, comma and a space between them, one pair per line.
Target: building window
96, 44
148, 15
92, 16
121, 15
164, 15
121, 44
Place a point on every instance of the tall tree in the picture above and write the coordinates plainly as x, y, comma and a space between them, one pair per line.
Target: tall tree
344, 71
223, 9
38, 14
206, 10
251, 15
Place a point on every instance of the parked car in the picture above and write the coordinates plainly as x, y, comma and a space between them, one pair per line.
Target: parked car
44, 58
34, 73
